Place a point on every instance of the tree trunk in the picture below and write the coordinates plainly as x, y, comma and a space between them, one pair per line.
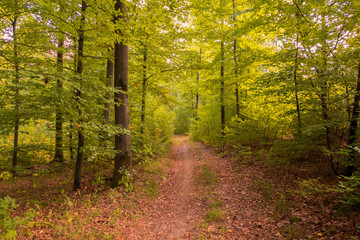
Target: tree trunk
352, 131
222, 107
71, 137
122, 141
348, 106
79, 71
296, 86
197, 90
17, 96
143, 97
236, 70
324, 95
297, 14
59, 153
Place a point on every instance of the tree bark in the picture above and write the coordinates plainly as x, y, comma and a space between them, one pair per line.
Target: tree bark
143, 97
236, 83
236, 70
222, 107
122, 141
79, 71
297, 14
296, 87
324, 96
352, 131
17, 97
197, 90
59, 153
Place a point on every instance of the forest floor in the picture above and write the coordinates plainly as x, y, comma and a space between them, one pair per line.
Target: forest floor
193, 192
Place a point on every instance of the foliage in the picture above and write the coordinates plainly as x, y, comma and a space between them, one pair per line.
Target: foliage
349, 187
283, 152
310, 187
127, 181
8, 223
5, 175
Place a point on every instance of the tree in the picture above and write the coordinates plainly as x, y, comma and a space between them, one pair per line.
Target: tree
122, 140
79, 71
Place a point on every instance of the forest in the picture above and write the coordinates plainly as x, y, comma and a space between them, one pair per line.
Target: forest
174, 119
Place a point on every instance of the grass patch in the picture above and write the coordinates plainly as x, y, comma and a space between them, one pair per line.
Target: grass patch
207, 176
223, 154
151, 188
293, 231
214, 215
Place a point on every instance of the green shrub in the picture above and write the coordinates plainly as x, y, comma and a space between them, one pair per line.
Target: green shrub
283, 152
8, 223
350, 189
309, 187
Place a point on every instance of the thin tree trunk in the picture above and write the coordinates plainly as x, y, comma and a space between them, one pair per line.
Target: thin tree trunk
222, 107
71, 122
17, 97
236, 83
59, 153
324, 107
236, 70
197, 90
122, 141
81, 140
324, 96
71, 137
143, 97
296, 87
352, 131
348, 106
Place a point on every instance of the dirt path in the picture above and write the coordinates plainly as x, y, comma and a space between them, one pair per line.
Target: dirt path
180, 210
175, 213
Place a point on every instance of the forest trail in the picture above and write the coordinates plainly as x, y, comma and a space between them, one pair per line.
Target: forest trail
182, 205
175, 212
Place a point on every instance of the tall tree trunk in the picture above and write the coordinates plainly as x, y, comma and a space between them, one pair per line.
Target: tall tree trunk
236, 83
236, 69
122, 141
296, 86
17, 96
197, 89
324, 95
143, 97
81, 140
222, 107
352, 131
297, 14
59, 153
71, 123
109, 83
